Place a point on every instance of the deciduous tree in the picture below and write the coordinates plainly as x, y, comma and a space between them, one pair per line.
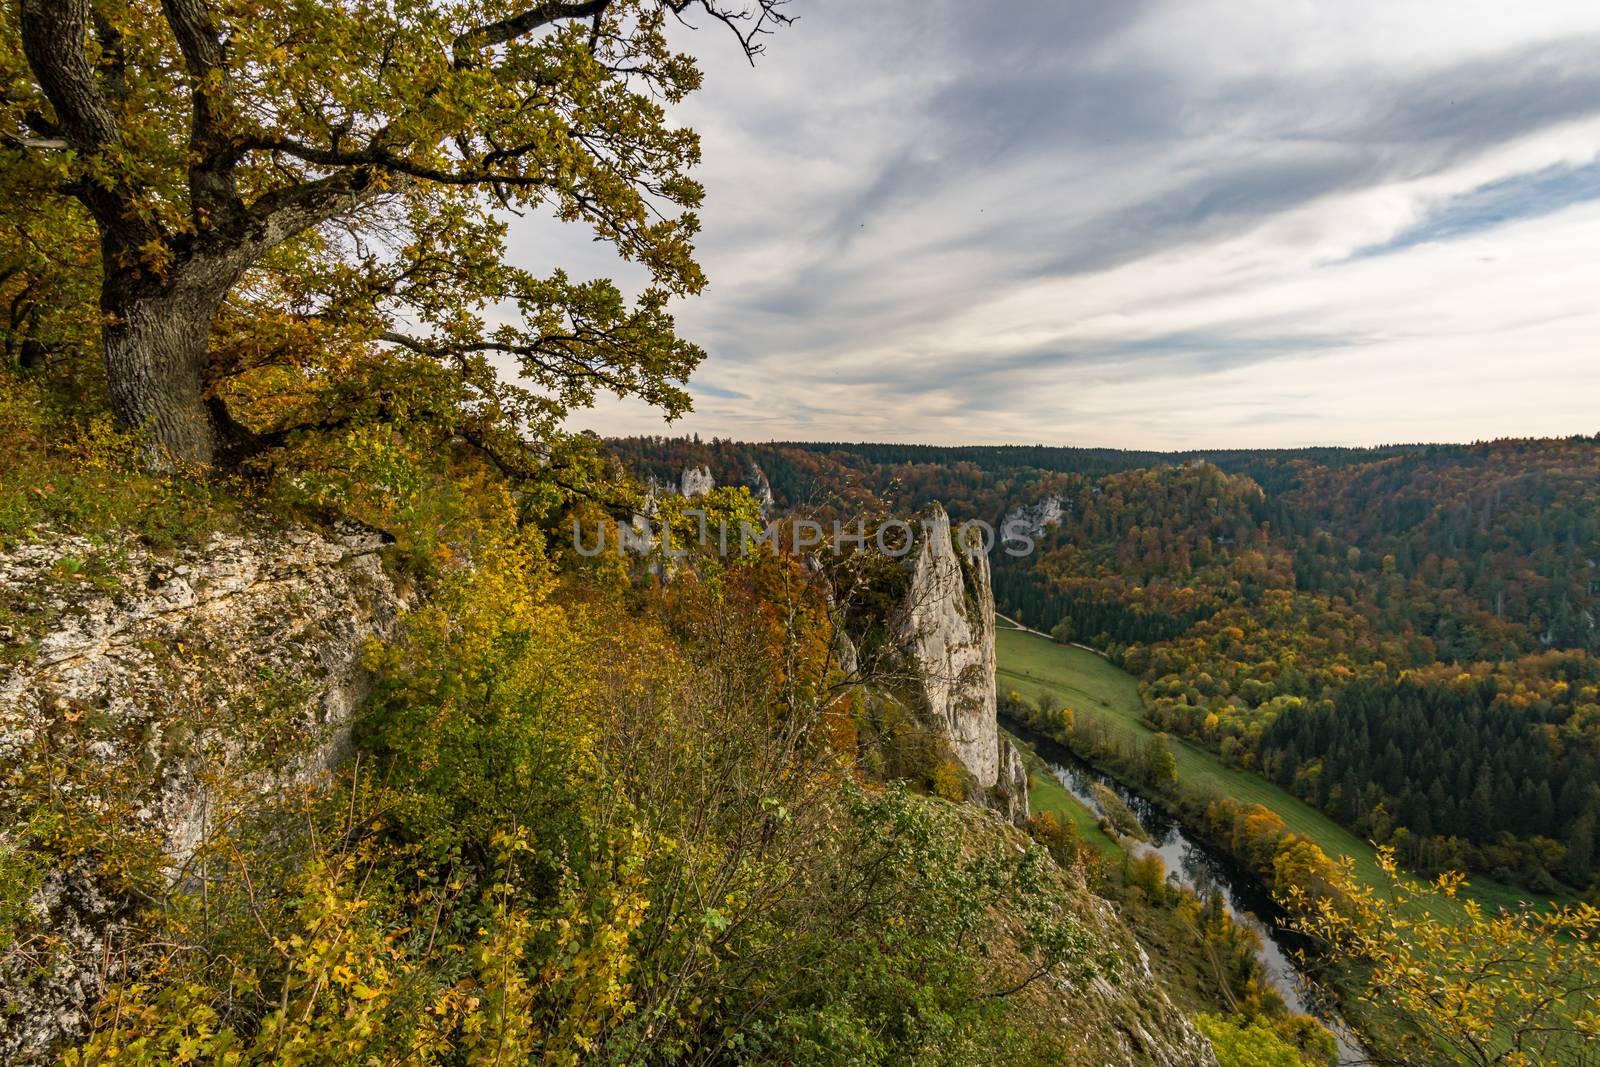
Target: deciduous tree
349, 164
1515, 988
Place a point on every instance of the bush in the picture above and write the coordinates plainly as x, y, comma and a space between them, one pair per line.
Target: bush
597, 824
1250, 1041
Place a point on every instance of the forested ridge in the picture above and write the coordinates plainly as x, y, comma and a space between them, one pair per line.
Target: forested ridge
1405, 636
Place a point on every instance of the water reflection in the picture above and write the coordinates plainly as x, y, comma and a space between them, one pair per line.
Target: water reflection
1198, 868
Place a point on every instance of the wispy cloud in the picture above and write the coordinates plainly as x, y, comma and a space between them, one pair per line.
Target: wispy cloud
1185, 224
700, 388
1522, 196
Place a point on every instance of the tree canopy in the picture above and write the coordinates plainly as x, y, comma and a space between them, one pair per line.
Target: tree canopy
268, 184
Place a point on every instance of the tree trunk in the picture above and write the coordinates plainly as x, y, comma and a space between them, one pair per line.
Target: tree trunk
156, 350
31, 355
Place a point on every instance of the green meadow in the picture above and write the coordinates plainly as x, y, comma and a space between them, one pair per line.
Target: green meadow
1100, 692
1045, 793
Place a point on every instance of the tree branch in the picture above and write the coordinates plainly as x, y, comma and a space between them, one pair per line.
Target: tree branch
42, 144
525, 21
213, 190
380, 158
283, 213
218, 258
538, 352
53, 35
748, 25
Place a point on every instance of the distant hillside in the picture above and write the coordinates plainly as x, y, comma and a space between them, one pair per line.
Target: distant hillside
1444, 597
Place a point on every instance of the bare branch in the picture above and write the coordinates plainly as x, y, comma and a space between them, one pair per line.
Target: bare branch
747, 24
42, 144
523, 22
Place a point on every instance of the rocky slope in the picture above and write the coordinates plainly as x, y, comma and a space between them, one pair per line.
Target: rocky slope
193, 655
1123, 1018
185, 651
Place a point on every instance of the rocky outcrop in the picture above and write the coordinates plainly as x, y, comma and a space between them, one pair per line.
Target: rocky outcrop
761, 489
1031, 520
1011, 791
696, 481
185, 653
946, 627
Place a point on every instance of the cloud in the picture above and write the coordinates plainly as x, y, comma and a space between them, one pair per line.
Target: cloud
1521, 196
1177, 224
700, 388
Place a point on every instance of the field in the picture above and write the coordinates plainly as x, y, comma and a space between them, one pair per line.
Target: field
1098, 691
1047, 794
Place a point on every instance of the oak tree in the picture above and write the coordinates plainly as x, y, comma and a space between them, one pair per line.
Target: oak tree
346, 167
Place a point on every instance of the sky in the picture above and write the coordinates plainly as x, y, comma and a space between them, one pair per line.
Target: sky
1142, 224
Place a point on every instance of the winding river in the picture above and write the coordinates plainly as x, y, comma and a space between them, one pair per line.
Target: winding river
1199, 868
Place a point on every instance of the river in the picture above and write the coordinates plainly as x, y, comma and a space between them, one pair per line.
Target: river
1199, 868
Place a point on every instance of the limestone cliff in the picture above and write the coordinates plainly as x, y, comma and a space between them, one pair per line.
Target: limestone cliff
946, 625
1031, 520
1011, 791
946, 628
696, 481
760, 488
181, 652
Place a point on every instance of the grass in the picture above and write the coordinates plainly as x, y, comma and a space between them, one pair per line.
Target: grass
1045, 793
67, 470
1098, 691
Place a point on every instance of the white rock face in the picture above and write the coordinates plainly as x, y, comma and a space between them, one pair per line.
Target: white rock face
946, 626
1031, 519
178, 651
696, 481
1012, 789
761, 489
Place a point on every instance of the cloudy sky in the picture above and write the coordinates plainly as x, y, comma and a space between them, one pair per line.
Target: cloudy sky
1145, 224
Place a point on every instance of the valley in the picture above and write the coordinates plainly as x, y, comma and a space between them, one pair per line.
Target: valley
1105, 705
1063, 782
1106, 698
799, 533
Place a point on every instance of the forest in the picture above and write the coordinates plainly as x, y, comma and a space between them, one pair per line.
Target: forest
1349, 622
